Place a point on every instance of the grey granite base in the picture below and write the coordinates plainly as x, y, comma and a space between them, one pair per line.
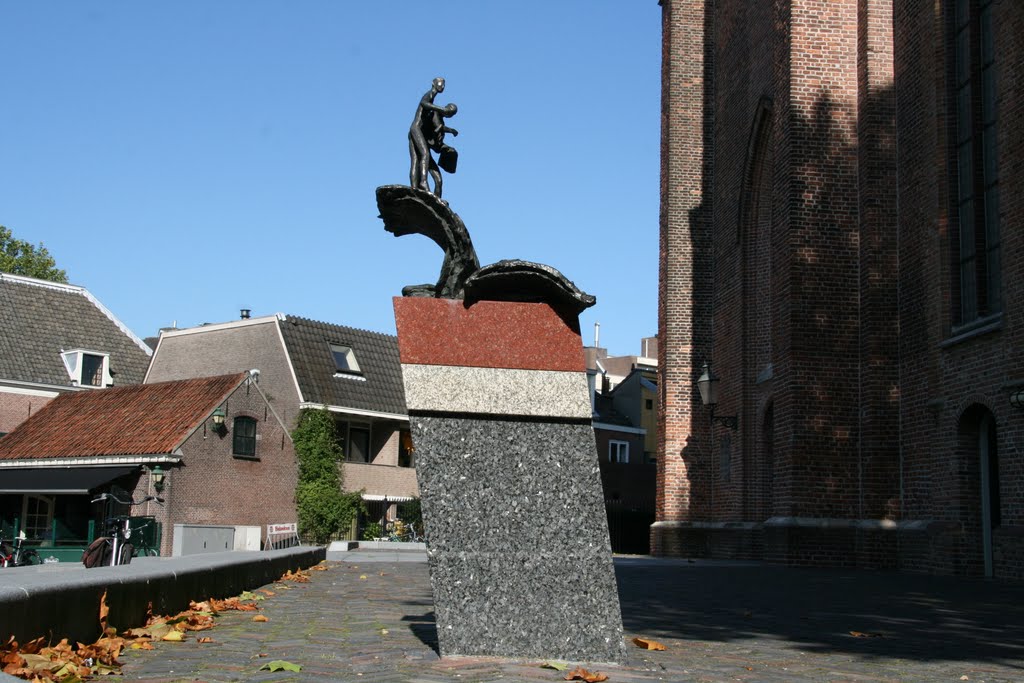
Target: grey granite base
520, 562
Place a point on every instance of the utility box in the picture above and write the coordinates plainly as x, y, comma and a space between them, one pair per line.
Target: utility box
195, 539
248, 537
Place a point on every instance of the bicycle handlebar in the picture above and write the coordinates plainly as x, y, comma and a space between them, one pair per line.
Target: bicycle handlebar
104, 496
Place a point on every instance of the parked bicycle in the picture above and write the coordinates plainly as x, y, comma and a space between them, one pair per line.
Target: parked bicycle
114, 548
18, 555
403, 532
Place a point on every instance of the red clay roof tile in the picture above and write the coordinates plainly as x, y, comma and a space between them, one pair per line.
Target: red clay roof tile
142, 419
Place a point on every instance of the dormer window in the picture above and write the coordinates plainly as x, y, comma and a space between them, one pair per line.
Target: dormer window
345, 362
88, 368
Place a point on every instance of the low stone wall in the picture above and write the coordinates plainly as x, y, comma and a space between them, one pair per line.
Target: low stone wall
62, 600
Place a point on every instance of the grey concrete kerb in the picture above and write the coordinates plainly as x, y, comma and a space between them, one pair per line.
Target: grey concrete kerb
62, 600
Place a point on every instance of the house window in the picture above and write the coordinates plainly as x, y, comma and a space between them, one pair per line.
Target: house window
358, 444
92, 370
618, 451
345, 360
88, 368
406, 452
649, 403
975, 236
244, 437
38, 514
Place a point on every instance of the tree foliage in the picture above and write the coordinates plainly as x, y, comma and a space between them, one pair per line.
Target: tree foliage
23, 258
323, 509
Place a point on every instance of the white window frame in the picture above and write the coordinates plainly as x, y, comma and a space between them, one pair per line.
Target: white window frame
36, 531
618, 451
74, 360
349, 355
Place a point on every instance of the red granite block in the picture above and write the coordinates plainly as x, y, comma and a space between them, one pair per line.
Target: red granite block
488, 334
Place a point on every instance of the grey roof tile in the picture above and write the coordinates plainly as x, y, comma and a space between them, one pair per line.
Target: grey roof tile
38, 319
380, 387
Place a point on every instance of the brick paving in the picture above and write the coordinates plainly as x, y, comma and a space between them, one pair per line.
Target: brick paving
367, 621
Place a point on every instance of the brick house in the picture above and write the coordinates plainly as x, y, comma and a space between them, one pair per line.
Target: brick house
624, 430
152, 439
355, 374
841, 235
56, 338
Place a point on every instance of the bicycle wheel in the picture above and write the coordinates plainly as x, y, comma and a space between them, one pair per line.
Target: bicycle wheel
29, 557
126, 552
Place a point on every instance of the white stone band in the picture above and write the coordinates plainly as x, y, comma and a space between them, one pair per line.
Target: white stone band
496, 391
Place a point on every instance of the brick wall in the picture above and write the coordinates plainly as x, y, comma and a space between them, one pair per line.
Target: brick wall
381, 479
239, 348
683, 272
15, 408
805, 248
212, 486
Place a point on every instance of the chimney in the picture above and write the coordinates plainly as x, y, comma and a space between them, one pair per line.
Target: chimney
245, 314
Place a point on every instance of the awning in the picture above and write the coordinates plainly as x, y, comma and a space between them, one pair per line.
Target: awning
61, 480
390, 499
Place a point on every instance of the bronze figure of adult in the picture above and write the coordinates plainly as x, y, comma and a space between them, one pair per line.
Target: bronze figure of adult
426, 133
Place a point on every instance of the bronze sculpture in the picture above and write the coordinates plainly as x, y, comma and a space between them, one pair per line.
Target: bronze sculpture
427, 133
417, 210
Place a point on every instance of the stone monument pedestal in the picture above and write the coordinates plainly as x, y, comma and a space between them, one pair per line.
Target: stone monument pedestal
517, 537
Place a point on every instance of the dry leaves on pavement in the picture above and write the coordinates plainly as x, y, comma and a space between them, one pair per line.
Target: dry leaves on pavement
67, 663
581, 674
648, 644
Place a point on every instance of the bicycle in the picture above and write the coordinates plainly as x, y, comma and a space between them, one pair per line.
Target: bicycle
19, 555
114, 549
144, 548
403, 532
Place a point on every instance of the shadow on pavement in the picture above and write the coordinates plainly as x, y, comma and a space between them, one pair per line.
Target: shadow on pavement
907, 616
424, 627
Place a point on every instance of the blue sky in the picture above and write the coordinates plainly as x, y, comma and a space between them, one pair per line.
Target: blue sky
186, 159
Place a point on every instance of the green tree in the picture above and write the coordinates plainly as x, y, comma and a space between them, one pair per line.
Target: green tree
23, 258
323, 509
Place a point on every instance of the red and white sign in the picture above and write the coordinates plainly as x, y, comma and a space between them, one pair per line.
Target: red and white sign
291, 528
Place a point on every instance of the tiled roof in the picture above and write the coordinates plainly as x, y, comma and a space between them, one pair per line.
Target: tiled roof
378, 388
142, 419
39, 319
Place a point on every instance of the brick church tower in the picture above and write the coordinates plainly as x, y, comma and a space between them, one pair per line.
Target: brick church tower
841, 242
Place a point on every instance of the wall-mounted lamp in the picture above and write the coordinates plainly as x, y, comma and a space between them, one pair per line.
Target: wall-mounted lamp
708, 386
1017, 399
218, 421
157, 474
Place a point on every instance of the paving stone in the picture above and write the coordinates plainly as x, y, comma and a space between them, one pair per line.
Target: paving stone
719, 621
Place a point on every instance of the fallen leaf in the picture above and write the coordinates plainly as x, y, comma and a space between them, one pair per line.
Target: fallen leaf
298, 576
383, 631
964, 678
860, 634
557, 666
174, 637
749, 668
250, 596
280, 665
581, 674
142, 645
362, 577
266, 592
104, 611
205, 639
648, 644
260, 617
